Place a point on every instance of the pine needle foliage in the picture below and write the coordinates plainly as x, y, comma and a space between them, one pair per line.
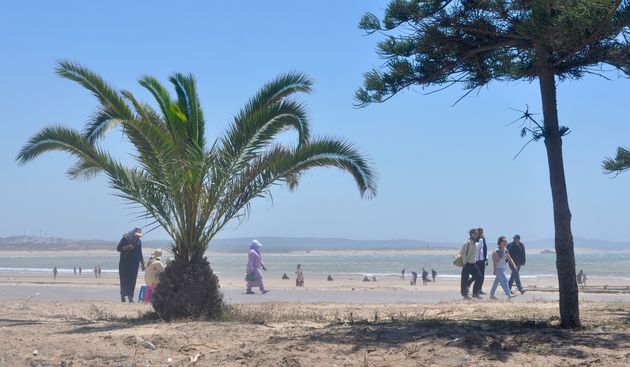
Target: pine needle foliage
436, 44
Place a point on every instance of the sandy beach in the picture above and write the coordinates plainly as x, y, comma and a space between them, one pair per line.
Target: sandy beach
78, 321
84, 333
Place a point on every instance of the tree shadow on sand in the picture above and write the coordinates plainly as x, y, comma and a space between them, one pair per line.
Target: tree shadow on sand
18, 322
105, 322
489, 339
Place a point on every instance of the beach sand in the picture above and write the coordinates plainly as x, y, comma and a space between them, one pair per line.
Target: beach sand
78, 321
83, 333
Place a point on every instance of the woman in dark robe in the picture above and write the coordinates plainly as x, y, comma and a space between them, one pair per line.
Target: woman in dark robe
130, 248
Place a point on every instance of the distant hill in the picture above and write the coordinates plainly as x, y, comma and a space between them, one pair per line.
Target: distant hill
286, 244
283, 244
271, 244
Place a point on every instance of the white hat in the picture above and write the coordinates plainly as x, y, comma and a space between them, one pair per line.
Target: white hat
255, 242
157, 254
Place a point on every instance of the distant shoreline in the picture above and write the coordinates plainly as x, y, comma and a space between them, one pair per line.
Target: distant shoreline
419, 251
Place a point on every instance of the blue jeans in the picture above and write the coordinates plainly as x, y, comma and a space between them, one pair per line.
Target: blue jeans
500, 278
515, 277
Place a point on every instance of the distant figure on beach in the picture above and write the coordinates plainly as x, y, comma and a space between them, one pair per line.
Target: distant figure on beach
470, 269
365, 278
95, 271
285, 276
414, 277
499, 258
374, 278
299, 276
130, 248
584, 279
517, 251
254, 276
425, 277
55, 272
579, 276
433, 274
99, 270
330, 278
80, 270
403, 273
75, 270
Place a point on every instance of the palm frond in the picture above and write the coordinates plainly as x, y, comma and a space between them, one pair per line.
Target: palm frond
246, 137
174, 118
143, 110
330, 152
274, 91
113, 107
154, 146
55, 138
188, 100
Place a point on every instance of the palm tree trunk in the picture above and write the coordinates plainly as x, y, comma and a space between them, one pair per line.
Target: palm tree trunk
565, 256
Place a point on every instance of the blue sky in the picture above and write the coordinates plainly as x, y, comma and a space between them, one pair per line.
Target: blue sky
441, 169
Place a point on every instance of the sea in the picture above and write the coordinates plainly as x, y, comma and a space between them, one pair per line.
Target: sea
379, 264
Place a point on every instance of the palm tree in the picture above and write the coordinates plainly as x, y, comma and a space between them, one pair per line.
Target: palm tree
189, 187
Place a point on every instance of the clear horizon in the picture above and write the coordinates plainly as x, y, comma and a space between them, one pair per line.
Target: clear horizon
148, 238
442, 169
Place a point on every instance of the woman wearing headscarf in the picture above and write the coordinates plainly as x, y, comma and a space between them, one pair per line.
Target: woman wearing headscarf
253, 270
130, 248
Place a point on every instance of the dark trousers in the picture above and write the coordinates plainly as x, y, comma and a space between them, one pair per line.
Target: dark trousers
470, 270
481, 265
128, 273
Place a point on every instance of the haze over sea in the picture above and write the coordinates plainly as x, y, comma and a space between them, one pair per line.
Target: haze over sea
613, 265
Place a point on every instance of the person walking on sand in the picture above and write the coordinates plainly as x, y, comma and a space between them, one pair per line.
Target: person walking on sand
80, 270
130, 248
470, 269
403, 273
100, 269
95, 271
55, 272
499, 258
433, 274
299, 276
517, 251
482, 257
425, 277
579, 276
254, 276
75, 270
479, 263
414, 277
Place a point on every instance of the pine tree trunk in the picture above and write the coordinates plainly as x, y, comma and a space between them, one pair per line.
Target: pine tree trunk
565, 256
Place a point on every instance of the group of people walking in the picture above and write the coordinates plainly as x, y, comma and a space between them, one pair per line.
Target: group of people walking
425, 276
97, 271
474, 254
